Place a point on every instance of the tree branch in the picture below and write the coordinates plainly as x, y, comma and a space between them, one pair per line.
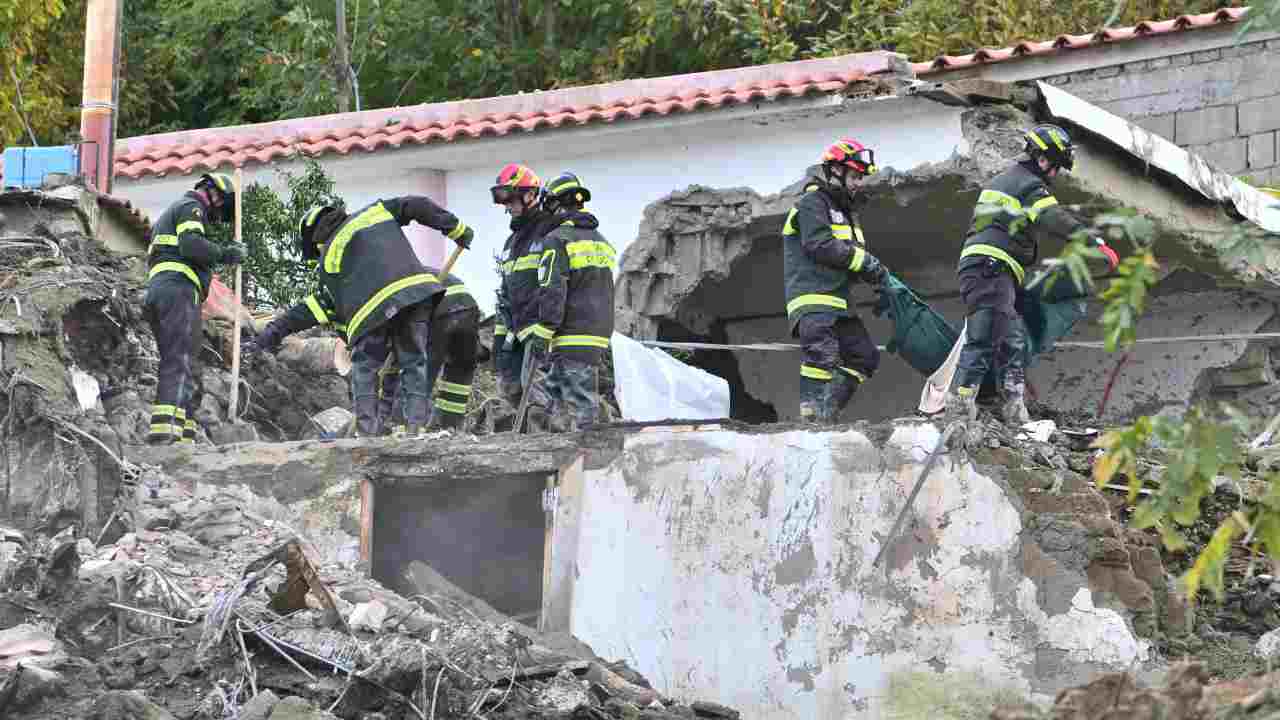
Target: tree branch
19, 107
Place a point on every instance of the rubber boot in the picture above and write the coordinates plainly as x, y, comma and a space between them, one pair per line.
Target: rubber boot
1015, 407
962, 405
367, 421
812, 393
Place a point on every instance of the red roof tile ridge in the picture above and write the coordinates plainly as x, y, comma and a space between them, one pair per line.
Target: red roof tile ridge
1144, 29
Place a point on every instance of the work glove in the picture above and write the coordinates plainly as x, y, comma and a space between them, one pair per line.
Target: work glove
464, 240
267, 341
1112, 258
873, 272
233, 254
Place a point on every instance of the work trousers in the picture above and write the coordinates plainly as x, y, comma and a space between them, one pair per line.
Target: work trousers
452, 351
995, 337
833, 343
408, 333
572, 388
172, 308
522, 367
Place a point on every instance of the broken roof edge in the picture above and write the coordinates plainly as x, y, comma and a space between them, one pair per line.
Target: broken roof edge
1193, 171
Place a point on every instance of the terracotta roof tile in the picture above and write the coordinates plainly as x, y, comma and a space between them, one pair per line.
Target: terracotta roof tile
1149, 28
369, 131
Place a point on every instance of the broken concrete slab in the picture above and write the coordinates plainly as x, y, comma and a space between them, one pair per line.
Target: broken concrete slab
30, 645
127, 705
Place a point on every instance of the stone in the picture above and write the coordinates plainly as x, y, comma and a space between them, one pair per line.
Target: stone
29, 645
183, 549
127, 705
219, 524
260, 707
1200, 127
155, 518
1262, 150
1260, 115
1268, 646
229, 433
35, 684
702, 708
295, 708
368, 616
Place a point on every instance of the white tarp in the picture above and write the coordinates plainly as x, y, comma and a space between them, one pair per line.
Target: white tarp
651, 385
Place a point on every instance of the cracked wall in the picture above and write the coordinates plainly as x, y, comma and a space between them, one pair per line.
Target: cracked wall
707, 266
741, 565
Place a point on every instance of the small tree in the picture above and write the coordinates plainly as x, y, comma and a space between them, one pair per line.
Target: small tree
276, 276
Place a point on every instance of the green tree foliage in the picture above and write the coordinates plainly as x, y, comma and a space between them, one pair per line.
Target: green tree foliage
41, 52
275, 275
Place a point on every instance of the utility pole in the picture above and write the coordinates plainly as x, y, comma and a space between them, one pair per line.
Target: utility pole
342, 64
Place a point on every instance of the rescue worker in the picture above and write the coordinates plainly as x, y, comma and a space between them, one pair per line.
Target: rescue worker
455, 329
822, 251
374, 289
998, 249
520, 340
575, 288
181, 260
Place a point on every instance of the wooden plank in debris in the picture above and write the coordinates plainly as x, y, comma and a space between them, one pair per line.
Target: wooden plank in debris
366, 523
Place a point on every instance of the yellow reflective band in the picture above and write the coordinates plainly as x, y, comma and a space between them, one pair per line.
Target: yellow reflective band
456, 290
557, 189
1039, 206
545, 263
380, 296
499, 329
455, 388
316, 311
857, 235
789, 228
507, 267
824, 300
310, 219
181, 414
164, 240
451, 407
1004, 200
859, 255
370, 217
595, 341
162, 428
177, 267
1036, 139
842, 232
538, 329
164, 410
815, 373
965, 390
591, 253
187, 441
999, 254
859, 376
457, 230
191, 424
528, 262
190, 225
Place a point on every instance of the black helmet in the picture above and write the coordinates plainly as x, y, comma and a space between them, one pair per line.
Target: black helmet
564, 189
1052, 143
223, 183
306, 228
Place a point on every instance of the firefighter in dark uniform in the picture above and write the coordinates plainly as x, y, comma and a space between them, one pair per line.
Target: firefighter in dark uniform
822, 251
520, 341
998, 249
374, 289
575, 288
455, 329
181, 260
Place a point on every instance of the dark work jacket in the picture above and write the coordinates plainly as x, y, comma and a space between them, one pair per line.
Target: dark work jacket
368, 271
456, 296
518, 295
575, 286
822, 245
178, 244
1007, 208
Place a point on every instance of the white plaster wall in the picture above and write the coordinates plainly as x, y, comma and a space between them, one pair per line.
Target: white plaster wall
737, 568
627, 164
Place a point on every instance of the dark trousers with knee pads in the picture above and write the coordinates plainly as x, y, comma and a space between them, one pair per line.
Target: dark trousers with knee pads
172, 308
839, 355
452, 366
409, 333
995, 337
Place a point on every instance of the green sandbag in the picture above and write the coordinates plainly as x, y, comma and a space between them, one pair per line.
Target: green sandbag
921, 337
1050, 310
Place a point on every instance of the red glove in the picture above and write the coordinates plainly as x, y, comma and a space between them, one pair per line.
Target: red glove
1112, 258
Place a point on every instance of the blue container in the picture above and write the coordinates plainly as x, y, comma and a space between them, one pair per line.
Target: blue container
26, 167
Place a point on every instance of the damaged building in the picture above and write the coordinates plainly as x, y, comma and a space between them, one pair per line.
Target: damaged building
694, 570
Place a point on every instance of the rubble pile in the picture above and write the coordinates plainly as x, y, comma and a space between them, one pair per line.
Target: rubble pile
204, 609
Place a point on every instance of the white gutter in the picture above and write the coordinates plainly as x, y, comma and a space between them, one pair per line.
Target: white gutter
1258, 207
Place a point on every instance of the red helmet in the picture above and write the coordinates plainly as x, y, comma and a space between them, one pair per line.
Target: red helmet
851, 154
514, 178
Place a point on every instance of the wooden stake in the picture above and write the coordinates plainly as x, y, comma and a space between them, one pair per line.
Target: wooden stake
234, 400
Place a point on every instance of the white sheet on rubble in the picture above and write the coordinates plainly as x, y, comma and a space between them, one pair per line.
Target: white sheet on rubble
651, 385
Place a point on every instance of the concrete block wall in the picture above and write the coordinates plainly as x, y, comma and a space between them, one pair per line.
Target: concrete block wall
1221, 103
